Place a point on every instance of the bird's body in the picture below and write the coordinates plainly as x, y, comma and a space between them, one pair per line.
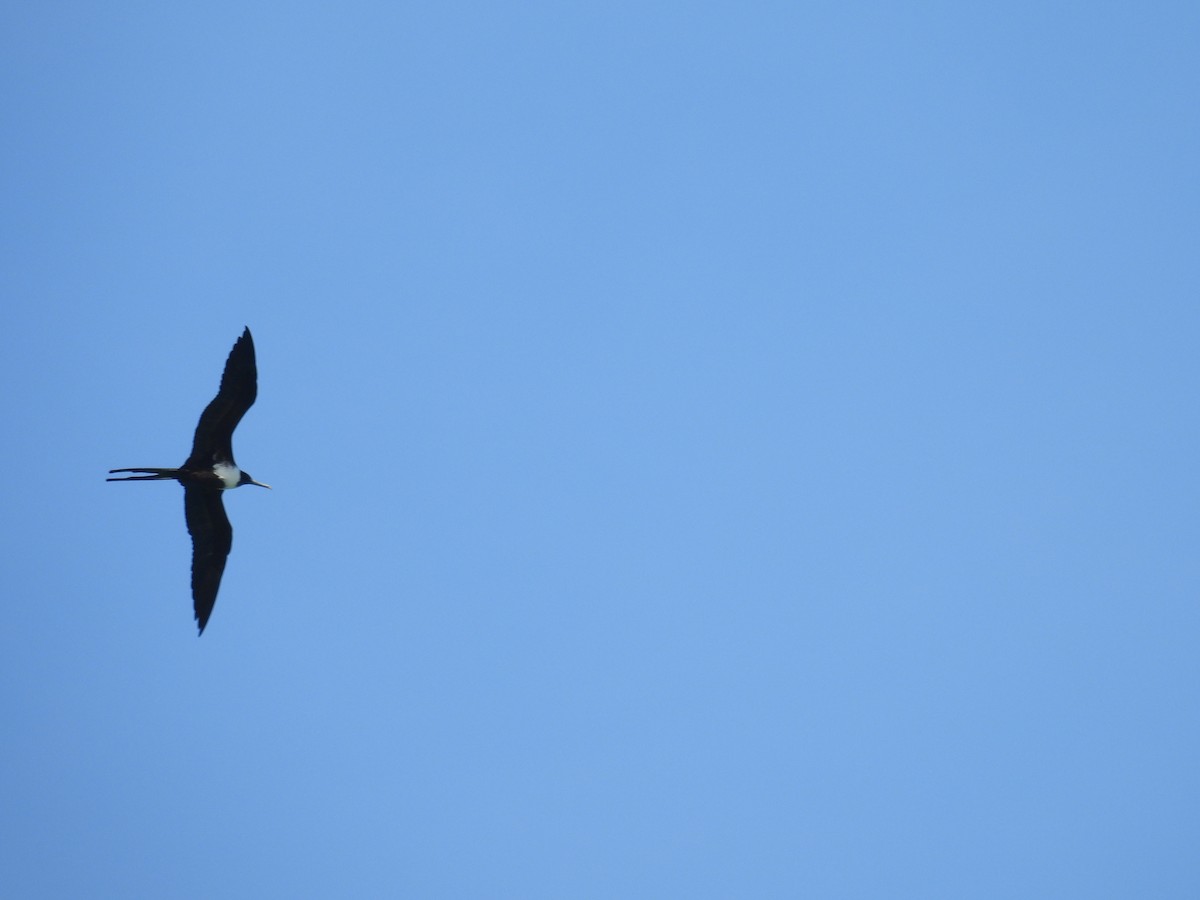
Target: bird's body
210, 471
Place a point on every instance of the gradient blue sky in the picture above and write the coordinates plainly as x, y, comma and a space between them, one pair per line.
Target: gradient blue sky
720, 449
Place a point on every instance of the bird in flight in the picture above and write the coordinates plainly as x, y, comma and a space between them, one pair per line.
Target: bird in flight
209, 472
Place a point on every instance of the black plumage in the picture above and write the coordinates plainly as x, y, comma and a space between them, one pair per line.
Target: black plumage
208, 472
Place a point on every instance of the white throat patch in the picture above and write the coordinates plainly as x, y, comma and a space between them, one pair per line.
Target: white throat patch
229, 474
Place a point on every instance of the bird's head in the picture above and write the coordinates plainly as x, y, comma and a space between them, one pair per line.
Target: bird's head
246, 479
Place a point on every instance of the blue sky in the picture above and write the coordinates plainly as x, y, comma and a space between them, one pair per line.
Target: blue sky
719, 449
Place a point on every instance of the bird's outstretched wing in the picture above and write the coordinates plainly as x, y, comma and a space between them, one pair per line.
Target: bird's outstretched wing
212, 537
213, 441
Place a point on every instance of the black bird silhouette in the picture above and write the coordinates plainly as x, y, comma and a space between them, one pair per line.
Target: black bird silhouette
210, 471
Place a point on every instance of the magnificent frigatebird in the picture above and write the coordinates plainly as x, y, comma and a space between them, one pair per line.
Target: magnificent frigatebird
209, 471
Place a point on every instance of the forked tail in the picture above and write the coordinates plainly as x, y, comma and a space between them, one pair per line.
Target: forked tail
150, 474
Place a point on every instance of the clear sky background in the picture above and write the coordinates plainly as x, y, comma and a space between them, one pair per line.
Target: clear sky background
720, 449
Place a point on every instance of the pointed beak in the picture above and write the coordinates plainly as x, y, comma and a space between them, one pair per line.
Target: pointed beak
260, 484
